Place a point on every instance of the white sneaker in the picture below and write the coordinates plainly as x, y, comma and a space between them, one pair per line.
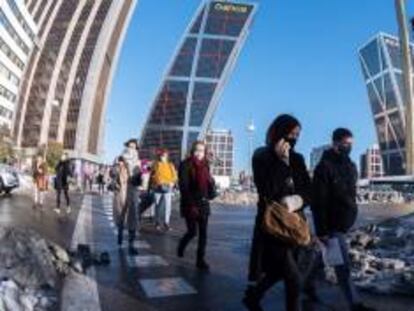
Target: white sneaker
57, 210
68, 210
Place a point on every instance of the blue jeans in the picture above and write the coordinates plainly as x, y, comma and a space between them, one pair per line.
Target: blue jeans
343, 272
162, 207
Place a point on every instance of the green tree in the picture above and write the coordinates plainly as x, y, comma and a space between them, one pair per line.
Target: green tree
53, 151
7, 154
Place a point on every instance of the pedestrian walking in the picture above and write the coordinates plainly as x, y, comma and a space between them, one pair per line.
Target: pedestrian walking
280, 175
163, 180
120, 187
335, 209
87, 174
197, 188
100, 179
63, 173
130, 214
40, 179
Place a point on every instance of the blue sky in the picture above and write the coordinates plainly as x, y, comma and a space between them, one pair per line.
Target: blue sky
300, 58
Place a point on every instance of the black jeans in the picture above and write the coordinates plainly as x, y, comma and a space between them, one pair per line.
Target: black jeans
291, 276
192, 224
58, 194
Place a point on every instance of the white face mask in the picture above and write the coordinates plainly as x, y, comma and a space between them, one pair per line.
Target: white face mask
164, 158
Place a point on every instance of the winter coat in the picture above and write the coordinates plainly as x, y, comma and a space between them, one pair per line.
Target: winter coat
193, 202
40, 177
334, 194
120, 196
164, 173
274, 179
63, 172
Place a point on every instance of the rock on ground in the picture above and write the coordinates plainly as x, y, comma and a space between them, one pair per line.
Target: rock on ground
383, 257
30, 268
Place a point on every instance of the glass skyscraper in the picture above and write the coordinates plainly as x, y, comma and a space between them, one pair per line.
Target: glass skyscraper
381, 66
190, 90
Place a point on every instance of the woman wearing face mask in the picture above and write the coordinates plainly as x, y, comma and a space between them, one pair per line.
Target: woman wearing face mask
196, 184
163, 179
281, 176
133, 167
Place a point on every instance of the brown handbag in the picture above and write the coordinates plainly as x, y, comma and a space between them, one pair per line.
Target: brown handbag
288, 227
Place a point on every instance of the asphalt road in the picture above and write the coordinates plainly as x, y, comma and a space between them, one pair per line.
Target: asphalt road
156, 280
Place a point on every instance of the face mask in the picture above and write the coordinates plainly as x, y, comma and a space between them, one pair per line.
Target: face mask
345, 149
292, 142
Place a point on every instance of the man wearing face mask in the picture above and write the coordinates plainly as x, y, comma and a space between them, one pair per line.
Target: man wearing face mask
334, 206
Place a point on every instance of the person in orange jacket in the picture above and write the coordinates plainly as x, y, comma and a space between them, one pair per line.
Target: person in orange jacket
163, 180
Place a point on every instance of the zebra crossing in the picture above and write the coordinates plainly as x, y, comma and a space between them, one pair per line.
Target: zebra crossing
153, 288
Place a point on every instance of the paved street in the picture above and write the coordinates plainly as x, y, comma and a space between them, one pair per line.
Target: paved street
156, 279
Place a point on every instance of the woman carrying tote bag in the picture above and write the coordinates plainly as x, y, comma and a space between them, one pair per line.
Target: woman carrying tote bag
280, 176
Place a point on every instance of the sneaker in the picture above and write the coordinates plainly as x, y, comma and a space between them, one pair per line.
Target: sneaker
68, 209
158, 228
362, 307
57, 210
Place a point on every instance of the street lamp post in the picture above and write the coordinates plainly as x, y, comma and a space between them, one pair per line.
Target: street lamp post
250, 133
408, 85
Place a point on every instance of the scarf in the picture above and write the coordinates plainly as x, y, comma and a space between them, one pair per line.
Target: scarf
201, 174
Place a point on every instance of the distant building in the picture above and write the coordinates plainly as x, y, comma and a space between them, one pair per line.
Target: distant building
380, 60
316, 155
68, 79
220, 144
189, 93
371, 165
18, 34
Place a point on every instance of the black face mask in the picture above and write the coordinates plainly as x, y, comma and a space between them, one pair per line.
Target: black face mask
345, 149
292, 142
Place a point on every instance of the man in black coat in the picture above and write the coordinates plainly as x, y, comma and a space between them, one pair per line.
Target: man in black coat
334, 205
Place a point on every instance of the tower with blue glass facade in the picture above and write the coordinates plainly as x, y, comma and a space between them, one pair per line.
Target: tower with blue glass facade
381, 65
190, 90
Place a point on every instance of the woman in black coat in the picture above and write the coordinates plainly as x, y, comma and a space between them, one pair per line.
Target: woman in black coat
280, 175
196, 184
63, 173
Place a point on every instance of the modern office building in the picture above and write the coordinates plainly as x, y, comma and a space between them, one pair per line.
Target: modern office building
371, 165
316, 155
17, 39
220, 144
65, 93
380, 60
190, 90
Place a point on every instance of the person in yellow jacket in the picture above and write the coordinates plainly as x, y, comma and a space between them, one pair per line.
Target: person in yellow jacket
163, 179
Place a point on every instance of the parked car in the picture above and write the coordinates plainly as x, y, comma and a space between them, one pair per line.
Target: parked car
9, 178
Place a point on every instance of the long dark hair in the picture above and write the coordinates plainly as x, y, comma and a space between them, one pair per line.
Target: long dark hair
280, 128
194, 147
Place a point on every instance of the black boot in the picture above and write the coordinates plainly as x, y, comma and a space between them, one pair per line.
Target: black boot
202, 265
120, 235
180, 249
251, 299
